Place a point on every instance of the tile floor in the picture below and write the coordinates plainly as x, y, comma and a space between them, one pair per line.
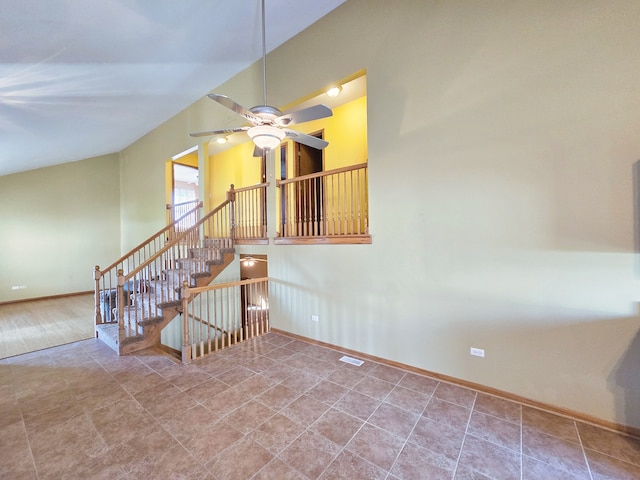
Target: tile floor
277, 408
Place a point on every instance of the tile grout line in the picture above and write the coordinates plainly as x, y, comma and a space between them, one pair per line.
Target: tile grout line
413, 429
584, 453
521, 444
102, 363
306, 429
364, 422
466, 429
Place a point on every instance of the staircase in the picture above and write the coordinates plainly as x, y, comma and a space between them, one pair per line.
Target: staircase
139, 294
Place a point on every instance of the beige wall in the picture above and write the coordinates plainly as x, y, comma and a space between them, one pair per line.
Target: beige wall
57, 224
501, 140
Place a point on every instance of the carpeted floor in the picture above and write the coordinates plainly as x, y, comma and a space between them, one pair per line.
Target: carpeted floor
38, 324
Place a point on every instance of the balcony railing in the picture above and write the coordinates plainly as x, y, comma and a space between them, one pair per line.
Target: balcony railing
249, 213
325, 207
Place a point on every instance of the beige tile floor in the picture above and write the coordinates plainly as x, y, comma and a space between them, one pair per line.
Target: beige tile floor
277, 408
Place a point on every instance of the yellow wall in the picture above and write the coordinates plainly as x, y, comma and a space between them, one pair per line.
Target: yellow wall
236, 166
346, 132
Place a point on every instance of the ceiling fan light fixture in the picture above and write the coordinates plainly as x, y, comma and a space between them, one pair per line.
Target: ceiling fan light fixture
266, 137
221, 140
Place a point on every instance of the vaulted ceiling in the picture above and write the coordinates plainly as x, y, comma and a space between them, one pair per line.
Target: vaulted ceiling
85, 78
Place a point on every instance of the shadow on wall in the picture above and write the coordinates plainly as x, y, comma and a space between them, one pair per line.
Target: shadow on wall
636, 211
624, 382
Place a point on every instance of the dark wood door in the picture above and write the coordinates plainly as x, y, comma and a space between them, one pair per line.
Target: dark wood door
309, 193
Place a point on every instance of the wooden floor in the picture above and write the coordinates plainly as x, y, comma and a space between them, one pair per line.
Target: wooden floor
30, 326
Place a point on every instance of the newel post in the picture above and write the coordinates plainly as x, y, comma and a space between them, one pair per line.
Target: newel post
186, 345
231, 197
97, 275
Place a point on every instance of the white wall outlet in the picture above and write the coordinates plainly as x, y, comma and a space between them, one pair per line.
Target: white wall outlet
314, 318
477, 352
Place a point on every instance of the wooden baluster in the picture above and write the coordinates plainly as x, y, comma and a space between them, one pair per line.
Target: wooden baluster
254, 313
263, 212
345, 210
233, 311
186, 344
260, 313
288, 213
359, 202
309, 209
201, 323
119, 300
231, 196
333, 205
206, 296
315, 206
351, 209
323, 205
215, 322
265, 313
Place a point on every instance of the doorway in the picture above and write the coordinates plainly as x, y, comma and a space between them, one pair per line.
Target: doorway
309, 192
185, 183
253, 297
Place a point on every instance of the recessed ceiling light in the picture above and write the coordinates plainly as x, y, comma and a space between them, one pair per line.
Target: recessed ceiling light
334, 91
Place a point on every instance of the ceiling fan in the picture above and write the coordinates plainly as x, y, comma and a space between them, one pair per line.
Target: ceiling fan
251, 261
268, 125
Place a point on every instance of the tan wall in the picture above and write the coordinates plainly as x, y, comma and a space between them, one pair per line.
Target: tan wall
57, 224
501, 141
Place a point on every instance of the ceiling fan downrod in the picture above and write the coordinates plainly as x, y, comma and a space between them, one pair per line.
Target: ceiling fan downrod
264, 56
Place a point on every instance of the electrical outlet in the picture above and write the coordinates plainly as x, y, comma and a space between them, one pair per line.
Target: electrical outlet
314, 318
477, 352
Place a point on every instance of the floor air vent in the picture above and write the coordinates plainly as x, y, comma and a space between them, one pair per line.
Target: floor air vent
352, 361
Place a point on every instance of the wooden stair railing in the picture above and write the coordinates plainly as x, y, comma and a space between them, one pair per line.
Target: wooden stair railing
107, 279
146, 294
177, 216
325, 207
218, 316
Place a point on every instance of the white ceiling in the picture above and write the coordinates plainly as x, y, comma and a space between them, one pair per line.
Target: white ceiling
81, 78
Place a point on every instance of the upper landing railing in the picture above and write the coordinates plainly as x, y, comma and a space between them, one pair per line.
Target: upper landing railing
325, 207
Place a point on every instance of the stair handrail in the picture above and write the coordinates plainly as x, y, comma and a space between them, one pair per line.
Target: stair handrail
107, 279
174, 241
134, 283
193, 348
159, 234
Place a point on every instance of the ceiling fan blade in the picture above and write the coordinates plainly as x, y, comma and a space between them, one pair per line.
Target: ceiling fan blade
305, 115
226, 131
305, 139
236, 107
